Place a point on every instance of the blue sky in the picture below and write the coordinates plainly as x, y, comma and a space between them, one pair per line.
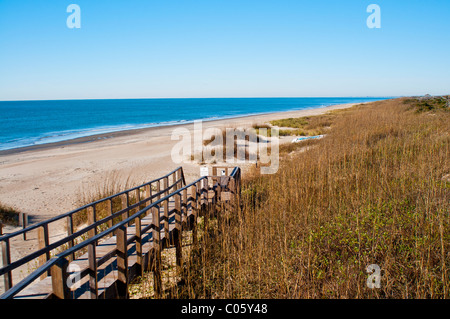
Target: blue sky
226, 48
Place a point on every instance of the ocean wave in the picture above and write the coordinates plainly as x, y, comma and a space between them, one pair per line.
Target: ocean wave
199, 112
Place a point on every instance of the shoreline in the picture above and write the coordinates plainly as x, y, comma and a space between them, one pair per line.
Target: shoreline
47, 180
50, 179
130, 132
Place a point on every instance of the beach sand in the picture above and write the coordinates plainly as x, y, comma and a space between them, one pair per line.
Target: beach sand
48, 180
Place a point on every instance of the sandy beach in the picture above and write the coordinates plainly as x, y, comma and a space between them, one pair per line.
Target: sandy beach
50, 179
46, 180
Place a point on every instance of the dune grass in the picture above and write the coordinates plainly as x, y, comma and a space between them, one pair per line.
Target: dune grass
112, 184
307, 125
8, 215
375, 190
440, 103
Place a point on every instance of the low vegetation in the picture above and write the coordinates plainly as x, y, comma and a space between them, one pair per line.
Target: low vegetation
8, 215
112, 184
375, 190
429, 103
307, 125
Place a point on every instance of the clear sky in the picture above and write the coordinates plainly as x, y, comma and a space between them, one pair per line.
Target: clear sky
223, 48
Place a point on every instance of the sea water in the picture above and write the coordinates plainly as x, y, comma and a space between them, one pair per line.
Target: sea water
28, 123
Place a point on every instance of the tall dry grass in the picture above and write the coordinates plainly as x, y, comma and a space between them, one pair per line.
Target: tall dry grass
375, 190
112, 183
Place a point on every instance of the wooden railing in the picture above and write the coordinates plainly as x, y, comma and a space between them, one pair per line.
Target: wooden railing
42, 228
143, 217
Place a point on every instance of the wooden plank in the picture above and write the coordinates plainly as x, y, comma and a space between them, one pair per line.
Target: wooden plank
59, 279
125, 201
184, 208
109, 209
70, 229
122, 262
139, 252
93, 282
24, 224
178, 182
137, 193
104, 253
166, 186
43, 242
178, 232
166, 218
158, 189
157, 251
92, 218
174, 181
195, 213
6, 259
148, 193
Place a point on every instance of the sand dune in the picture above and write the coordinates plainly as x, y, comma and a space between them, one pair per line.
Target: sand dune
46, 180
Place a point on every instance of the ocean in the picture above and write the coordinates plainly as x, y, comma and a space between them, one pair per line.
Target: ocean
28, 123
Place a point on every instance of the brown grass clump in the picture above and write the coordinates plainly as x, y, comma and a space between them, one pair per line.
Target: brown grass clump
373, 191
307, 125
8, 215
112, 184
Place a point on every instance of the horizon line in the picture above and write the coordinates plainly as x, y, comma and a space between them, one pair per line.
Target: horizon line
185, 98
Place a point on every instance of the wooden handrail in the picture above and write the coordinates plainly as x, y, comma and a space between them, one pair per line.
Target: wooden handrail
5, 239
178, 193
56, 218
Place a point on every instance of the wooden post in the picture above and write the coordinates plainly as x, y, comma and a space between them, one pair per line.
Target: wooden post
59, 279
92, 218
109, 208
93, 282
218, 205
138, 199
125, 201
184, 207
122, 262
43, 241
128, 212
178, 231
198, 196
6, 256
174, 181
158, 189
166, 221
70, 230
139, 254
166, 185
148, 193
20, 219
194, 213
205, 205
157, 252
178, 177
219, 193
237, 189
24, 224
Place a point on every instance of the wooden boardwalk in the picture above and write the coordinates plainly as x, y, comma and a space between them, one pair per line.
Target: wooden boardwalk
124, 244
